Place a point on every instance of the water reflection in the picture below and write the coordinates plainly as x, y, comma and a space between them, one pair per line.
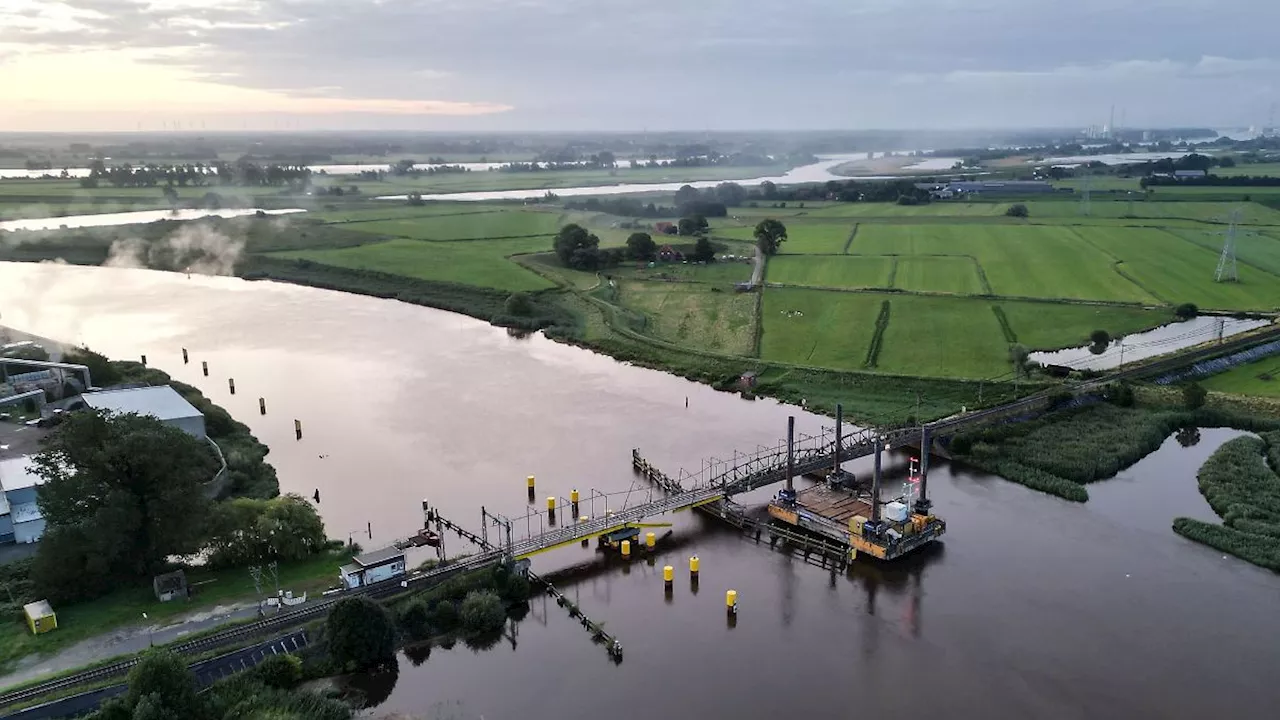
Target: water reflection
1157, 341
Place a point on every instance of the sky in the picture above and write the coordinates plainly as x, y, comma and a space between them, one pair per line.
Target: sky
483, 65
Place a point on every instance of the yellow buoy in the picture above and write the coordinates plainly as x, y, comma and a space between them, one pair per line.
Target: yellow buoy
573, 496
693, 564
551, 504
529, 480
731, 599
626, 548
608, 513
650, 540
668, 574
583, 518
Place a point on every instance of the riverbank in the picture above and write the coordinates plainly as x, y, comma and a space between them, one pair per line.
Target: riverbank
1062, 452
1241, 482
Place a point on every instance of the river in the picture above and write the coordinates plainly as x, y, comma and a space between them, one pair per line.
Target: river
1030, 607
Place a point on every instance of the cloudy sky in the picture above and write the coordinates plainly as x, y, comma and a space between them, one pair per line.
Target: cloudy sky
635, 64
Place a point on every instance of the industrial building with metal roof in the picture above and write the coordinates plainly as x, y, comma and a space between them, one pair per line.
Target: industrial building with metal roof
161, 402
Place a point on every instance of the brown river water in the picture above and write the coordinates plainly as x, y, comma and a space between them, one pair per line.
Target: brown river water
1030, 607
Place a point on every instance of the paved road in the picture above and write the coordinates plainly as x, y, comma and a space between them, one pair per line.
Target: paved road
128, 640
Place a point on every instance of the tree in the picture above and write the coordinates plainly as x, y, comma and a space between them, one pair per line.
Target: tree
415, 619
131, 484
247, 530
360, 634
1100, 337
518, 304
703, 250
1019, 354
482, 612
686, 194
576, 247
1186, 311
1017, 210
768, 190
731, 194
770, 234
641, 246
1194, 395
162, 683
695, 225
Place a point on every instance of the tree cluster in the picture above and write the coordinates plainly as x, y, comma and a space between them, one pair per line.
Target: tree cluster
122, 493
1213, 181
161, 687
246, 530
240, 173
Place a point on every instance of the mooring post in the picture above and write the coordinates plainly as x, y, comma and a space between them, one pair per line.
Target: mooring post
875, 486
835, 471
922, 503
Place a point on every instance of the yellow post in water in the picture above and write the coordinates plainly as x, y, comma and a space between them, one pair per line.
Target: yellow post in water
573, 496
529, 481
693, 565
626, 548
551, 504
731, 600
650, 540
668, 574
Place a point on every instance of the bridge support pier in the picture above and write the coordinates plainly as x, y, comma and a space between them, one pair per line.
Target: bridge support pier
788, 494
923, 504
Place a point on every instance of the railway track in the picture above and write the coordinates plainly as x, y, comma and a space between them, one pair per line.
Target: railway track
248, 630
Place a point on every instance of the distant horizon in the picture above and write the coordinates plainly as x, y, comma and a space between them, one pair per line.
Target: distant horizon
546, 65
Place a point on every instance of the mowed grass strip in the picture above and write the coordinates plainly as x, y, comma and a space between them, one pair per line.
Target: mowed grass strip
956, 275
479, 262
1019, 260
831, 272
811, 238
894, 210
693, 315
472, 226
942, 337
1179, 271
816, 327
1053, 326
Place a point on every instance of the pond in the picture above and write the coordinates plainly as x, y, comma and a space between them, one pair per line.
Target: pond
1138, 346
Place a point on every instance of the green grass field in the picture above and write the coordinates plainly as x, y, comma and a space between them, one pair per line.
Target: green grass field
930, 273
943, 337
1178, 271
472, 226
364, 212
1256, 169
1139, 209
478, 262
815, 327
1260, 249
1259, 378
830, 272
1053, 326
894, 210
691, 314
1018, 260
722, 274
125, 606
814, 238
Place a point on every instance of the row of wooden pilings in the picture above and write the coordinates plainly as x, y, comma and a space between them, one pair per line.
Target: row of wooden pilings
231, 386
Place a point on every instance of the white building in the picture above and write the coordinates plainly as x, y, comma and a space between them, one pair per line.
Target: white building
20, 518
161, 402
373, 567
